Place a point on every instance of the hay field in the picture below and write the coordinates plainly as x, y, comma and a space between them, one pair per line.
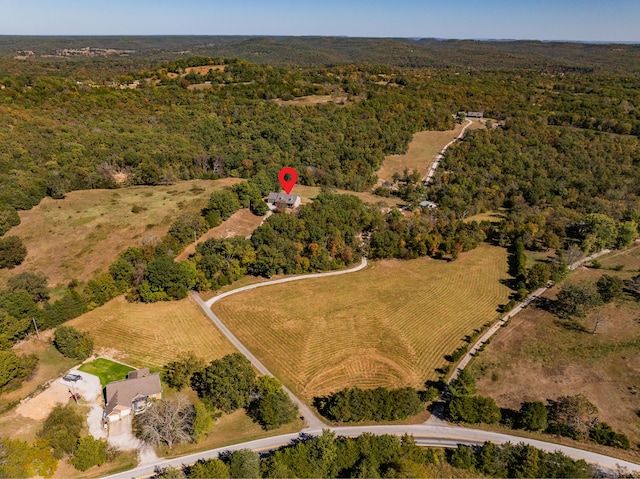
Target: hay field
82, 234
389, 325
423, 148
151, 335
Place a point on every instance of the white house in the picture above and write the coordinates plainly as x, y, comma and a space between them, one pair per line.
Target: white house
291, 201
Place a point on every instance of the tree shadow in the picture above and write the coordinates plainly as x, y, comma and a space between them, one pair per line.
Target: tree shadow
510, 417
571, 324
546, 304
632, 292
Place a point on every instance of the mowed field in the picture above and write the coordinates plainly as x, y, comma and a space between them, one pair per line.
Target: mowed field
82, 234
151, 335
389, 325
423, 148
537, 348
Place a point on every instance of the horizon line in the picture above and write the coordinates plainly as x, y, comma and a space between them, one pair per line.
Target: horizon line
478, 39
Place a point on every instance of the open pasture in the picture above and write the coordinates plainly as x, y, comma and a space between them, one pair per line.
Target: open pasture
83, 233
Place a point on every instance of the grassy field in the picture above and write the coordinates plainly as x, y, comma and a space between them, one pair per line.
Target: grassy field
310, 100
389, 325
123, 462
83, 233
423, 148
241, 223
108, 371
228, 430
150, 335
537, 348
308, 193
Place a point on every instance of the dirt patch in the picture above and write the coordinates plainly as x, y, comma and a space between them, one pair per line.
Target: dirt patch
40, 406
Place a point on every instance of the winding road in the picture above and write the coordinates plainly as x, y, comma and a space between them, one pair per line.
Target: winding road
312, 420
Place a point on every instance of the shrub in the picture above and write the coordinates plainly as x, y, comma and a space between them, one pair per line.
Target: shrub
473, 409
73, 343
12, 252
380, 404
533, 416
602, 433
89, 452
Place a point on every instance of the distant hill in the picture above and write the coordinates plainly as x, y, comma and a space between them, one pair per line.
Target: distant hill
327, 51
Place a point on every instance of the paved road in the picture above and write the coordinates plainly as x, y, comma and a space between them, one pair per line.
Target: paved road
496, 327
435, 436
313, 422
436, 161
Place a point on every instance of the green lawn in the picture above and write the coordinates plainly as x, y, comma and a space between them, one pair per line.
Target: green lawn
107, 371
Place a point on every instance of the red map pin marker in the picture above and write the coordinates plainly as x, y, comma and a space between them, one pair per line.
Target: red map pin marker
287, 185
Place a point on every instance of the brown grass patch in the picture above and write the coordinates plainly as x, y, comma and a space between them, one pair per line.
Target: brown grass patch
309, 193
200, 86
423, 148
81, 235
241, 223
538, 349
389, 325
151, 335
311, 100
204, 69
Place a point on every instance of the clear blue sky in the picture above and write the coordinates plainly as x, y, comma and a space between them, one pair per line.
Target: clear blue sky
592, 20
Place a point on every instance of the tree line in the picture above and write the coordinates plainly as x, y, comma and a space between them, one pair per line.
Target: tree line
369, 456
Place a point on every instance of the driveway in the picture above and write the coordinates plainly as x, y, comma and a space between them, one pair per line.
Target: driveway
40, 406
120, 436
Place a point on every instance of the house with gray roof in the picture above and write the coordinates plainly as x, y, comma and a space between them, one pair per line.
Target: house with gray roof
131, 395
291, 201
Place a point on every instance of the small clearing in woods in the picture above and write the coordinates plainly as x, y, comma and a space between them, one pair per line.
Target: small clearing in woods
423, 148
241, 223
